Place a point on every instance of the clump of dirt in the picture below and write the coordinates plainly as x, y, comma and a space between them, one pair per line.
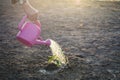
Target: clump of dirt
51, 67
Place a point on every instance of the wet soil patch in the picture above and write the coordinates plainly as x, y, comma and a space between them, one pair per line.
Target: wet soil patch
51, 67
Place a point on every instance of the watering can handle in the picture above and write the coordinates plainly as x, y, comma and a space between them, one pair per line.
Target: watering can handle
22, 22
37, 22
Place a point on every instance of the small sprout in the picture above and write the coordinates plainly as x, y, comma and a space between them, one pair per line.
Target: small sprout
54, 59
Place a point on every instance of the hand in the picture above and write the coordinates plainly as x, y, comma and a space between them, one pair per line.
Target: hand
32, 15
14, 1
31, 12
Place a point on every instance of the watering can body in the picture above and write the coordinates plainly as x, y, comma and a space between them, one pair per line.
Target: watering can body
29, 33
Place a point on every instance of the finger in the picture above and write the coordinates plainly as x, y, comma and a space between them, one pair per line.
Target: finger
33, 17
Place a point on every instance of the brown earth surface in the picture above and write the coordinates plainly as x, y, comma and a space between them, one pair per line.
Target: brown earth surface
88, 32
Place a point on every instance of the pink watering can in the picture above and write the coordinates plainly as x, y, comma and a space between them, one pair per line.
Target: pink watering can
29, 33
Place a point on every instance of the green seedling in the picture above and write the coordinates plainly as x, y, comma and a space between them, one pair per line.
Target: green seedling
54, 59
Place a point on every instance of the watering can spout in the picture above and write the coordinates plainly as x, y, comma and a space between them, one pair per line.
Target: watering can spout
41, 42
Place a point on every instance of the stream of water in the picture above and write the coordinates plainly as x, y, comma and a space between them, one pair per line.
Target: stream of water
57, 58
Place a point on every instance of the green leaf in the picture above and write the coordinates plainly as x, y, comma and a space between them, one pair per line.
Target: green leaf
54, 59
